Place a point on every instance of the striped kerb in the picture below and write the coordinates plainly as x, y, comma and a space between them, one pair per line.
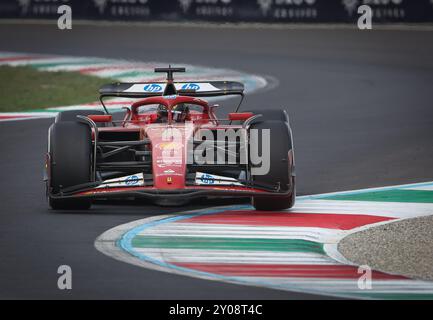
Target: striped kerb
398, 195
290, 249
270, 270
209, 243
292, 219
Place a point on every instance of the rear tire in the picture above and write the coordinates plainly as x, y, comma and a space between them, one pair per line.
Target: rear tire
70, 149
280, 174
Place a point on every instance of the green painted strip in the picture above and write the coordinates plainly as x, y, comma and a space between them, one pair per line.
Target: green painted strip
396, 296
32, 110
285, 245
64, 63
398, 195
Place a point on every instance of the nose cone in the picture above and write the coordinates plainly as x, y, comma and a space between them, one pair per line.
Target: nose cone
169, 154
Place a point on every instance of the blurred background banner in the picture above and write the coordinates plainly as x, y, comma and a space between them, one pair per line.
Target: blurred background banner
305, 11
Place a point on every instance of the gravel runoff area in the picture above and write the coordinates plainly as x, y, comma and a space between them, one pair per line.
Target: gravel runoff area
403, 247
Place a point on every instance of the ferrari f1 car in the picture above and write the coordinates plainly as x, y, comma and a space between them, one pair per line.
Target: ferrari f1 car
170, 147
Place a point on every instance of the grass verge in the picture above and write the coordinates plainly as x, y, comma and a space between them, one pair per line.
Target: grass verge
25, 88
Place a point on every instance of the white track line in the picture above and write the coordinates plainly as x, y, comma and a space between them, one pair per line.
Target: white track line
236, 231
374, 208
235, 256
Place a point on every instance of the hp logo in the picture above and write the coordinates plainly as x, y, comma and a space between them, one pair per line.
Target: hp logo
152, 87
207, 178
131, 180
190, 86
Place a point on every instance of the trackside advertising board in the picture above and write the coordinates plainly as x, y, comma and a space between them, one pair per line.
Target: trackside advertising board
304, 11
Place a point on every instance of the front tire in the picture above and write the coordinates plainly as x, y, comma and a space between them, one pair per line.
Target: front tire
280, 176
70, 150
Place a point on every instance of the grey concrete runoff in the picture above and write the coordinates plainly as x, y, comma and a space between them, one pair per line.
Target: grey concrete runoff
404, 247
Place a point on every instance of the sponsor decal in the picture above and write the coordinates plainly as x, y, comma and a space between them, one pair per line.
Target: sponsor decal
211, 179
172, 97
265, 6
38, 7
207, 179
100, 4
24, 5
185, 4
204, 86
391, 9
126, 181
288, 9
169, 145
190, 86
163, 162
152, 87
208, 8
170, 172
350, 6
156, 87
132, 180
123, 8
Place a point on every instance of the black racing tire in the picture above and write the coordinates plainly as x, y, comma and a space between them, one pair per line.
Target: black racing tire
70, 150
71, 115
280, 169
270, 115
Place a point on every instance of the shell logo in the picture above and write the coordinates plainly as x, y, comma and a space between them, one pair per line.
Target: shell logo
169, 145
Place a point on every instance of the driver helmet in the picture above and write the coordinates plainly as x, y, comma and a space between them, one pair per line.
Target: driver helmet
162, 112
180, 112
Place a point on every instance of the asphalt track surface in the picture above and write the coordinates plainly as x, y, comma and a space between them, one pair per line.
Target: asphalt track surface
361, 108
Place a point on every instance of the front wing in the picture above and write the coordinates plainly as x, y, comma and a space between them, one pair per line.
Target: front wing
154, 193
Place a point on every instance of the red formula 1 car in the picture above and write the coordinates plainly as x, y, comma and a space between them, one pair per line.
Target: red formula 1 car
169, 148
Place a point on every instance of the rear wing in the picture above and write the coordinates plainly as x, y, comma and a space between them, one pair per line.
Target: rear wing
169, 88
152, 89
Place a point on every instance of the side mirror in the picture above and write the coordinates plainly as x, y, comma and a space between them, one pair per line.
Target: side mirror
240, 116
100, 118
